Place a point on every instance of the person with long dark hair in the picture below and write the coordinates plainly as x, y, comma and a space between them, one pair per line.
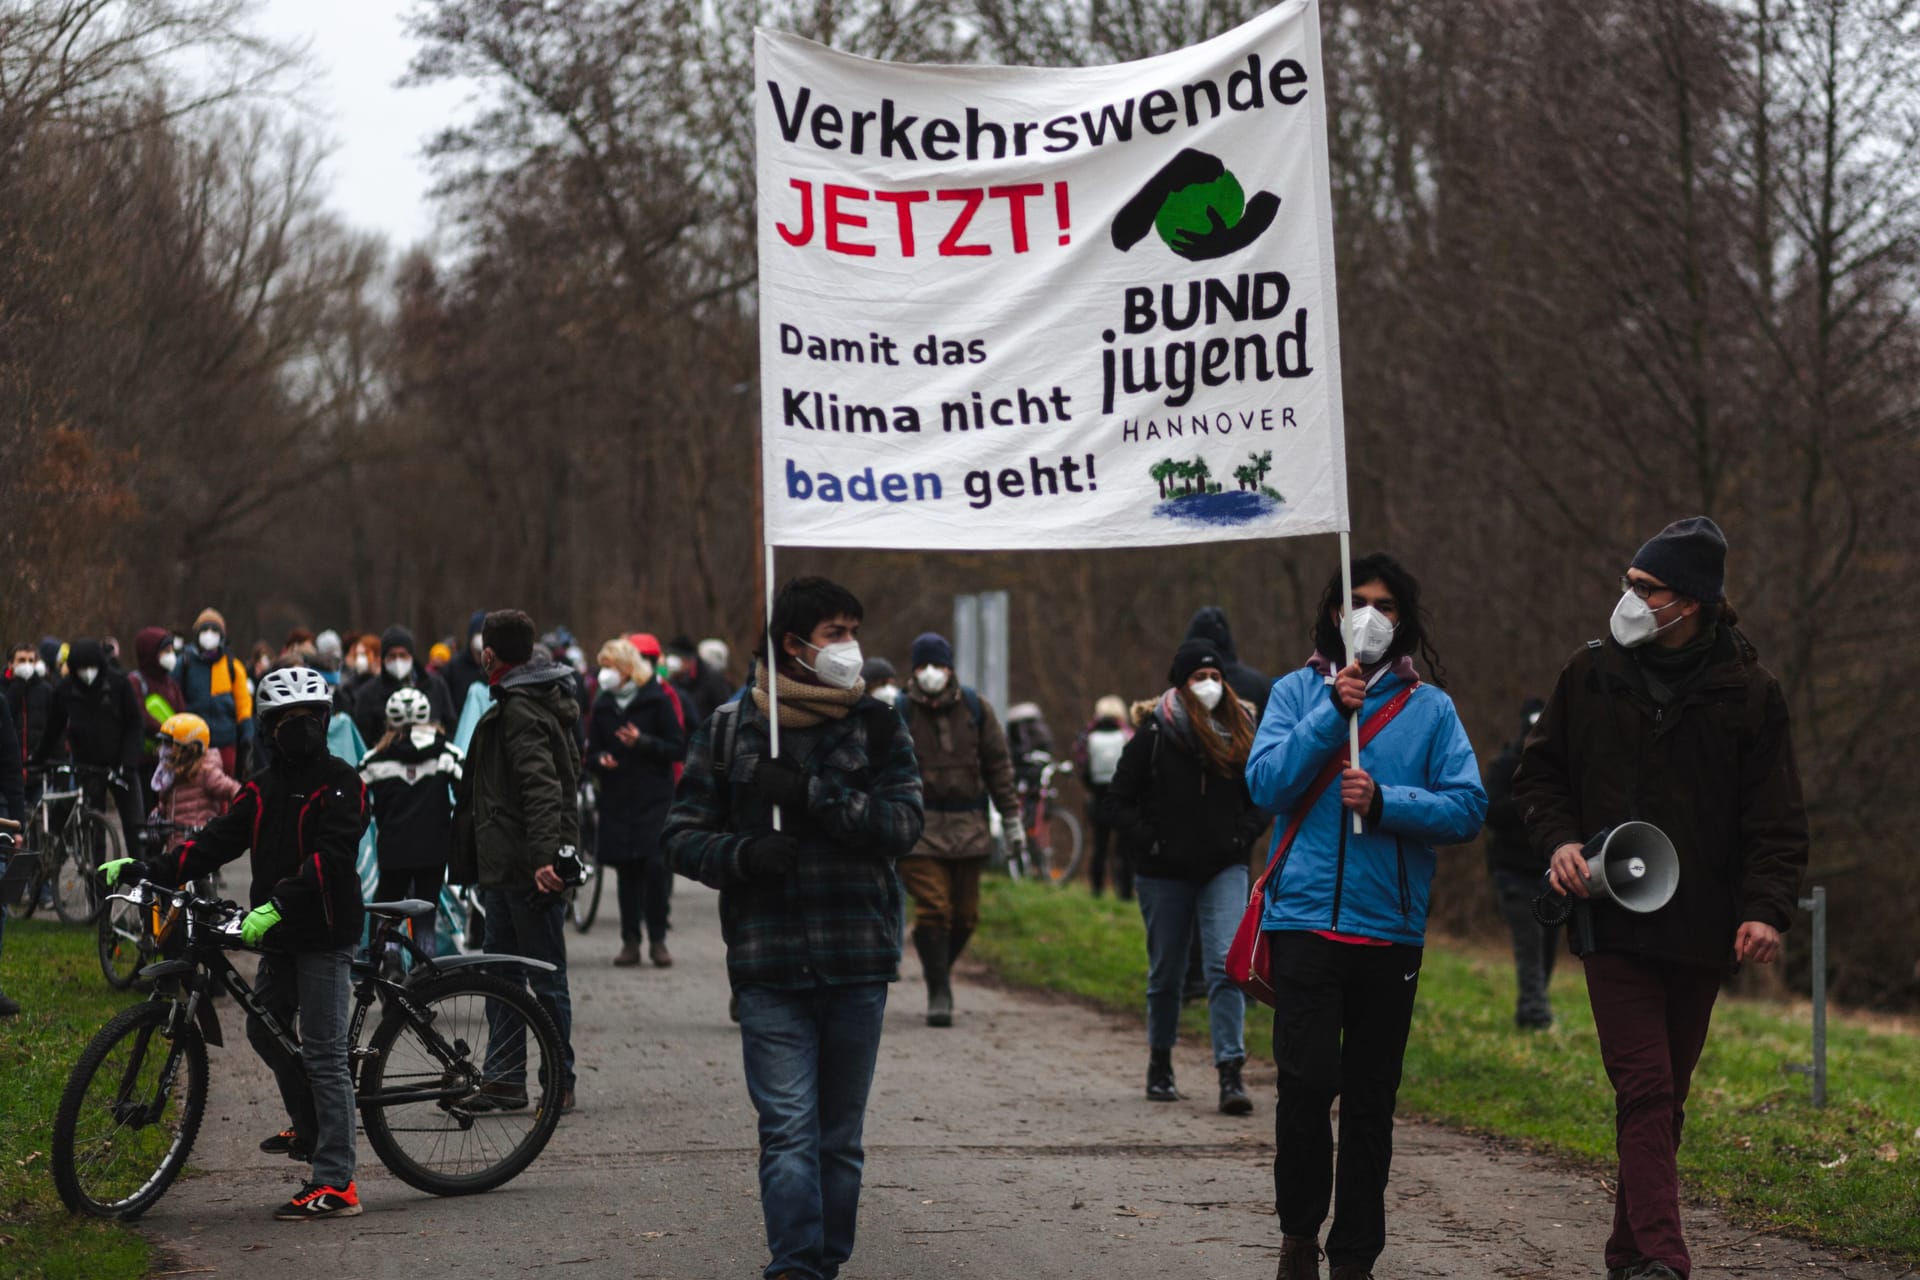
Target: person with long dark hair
1346, 911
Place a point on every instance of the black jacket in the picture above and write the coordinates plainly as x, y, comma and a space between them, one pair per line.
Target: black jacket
13, 791
1507, 846
704, 692
1210, 624
303, 827
1714, 771
28, 702
370, 702
520, 790
1176, 818
636, 792
101, 721
410, 790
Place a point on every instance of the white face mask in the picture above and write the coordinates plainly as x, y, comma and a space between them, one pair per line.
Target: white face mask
675, 664
1208, 692
209, 640
399, 668
933, 679
1372, 635
887, 693
168, 661
87, 674
422, 735
360, 663
1633, 623
611, 680
478, 643
838, 665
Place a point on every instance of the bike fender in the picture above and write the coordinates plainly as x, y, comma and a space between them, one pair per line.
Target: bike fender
483, 959
209, 1022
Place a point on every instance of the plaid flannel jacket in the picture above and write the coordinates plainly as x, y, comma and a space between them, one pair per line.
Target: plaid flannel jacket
836, 919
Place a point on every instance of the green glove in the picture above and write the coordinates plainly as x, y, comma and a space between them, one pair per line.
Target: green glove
258, 921
111, 871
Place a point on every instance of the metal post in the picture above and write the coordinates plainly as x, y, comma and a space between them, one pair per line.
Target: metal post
1816, 906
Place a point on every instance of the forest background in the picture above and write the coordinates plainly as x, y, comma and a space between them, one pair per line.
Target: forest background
1600, 265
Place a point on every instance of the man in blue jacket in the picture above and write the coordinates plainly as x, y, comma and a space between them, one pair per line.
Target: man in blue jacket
1346, 912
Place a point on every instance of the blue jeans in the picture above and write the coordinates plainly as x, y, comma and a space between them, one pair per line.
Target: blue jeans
809, 1062
519, 925
1170, 908
317, 1086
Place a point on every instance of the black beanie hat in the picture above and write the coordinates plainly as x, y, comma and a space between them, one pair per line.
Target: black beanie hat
1190, 657
1690, 556
397, 637
930, 649
877, 671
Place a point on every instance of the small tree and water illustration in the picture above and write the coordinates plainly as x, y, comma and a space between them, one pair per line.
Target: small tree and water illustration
1190, 494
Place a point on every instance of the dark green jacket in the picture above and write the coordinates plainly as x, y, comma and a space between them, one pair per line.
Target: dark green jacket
521, 786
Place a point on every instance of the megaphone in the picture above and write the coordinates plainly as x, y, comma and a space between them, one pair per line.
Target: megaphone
1633, 865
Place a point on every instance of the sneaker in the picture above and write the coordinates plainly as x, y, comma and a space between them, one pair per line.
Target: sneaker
286, 1143
8, 1007
661, 957
566, 1103
733, 1008
497, 1097
317, 1201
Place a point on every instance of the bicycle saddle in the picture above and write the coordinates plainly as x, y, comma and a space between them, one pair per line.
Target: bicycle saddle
404, 909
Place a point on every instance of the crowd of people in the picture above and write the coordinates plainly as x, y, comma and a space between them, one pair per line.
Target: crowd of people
831, 789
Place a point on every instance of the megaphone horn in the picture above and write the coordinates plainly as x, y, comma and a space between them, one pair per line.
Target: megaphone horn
1635, 865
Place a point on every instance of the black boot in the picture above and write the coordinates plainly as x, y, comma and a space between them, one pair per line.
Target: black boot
1160, 1076
957, 942
935, 956
1233, 1094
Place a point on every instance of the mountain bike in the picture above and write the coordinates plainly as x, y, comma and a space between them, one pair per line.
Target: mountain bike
70, 838
458, 1072
1055, 842
132, 937
583, 899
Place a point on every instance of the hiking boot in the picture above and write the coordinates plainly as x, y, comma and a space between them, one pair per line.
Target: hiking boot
497, 1097
1299, 1258
316, 1200
1233, 1093
629, 955
8, 1007
1160, 1076
1351, 1271
661, 957
932, 945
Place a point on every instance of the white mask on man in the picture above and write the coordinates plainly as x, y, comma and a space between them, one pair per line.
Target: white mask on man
1208, 692
87, 674
933, 679
361, 664
1372, 635
478, 643
399, 668
209, 640
888, 694
675, 664
1633, 622
838, 665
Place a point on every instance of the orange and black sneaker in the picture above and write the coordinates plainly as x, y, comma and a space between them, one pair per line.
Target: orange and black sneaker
317, 1201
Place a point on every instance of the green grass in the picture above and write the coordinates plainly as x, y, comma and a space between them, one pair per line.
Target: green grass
1754, 1143
53, 971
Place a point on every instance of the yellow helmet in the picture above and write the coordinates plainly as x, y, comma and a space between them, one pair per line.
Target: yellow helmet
186, 727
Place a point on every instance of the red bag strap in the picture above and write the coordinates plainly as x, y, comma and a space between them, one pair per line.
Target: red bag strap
1324, 779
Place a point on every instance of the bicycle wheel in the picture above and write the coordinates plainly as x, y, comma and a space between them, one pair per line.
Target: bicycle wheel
1060, 856
125, 1122
123, 936
463, 1099
76, 894
29, 895
584, 903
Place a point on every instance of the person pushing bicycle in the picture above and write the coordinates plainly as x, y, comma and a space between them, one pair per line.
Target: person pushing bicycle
302, 816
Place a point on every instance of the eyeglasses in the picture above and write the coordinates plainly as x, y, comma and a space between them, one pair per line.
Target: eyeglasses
1645, 590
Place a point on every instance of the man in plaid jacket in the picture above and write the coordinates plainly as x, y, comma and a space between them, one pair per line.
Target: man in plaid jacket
810, 911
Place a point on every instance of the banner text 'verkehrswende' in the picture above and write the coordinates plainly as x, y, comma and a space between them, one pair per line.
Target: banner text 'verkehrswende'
883, 129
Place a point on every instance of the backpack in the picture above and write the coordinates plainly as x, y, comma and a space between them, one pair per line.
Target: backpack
1104, 747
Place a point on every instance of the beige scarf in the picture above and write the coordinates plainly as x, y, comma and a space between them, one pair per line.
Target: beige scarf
802, 706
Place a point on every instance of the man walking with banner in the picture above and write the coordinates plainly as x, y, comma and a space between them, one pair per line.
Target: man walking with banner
802, 847
1670, 720
1345, 916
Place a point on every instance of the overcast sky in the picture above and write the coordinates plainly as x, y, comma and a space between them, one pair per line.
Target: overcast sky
357, 51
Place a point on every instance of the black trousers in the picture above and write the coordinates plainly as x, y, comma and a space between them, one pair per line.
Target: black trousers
645, 894
1106, 843
1339, 1031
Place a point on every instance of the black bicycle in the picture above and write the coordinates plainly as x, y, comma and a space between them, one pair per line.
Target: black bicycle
132, 937
458, 1072
583, 899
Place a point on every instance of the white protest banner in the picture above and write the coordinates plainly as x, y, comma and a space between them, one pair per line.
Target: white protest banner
1023, 308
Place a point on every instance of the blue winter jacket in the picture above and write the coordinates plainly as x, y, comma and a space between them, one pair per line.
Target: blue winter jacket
1371, 885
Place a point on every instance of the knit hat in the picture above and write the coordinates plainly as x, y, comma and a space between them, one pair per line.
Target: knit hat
714, 654
930, 649
396, 637
1690, 556
439, 653
327, 644
1190, 657
682, 645
50, 647
648, 645
210, 618
877, 671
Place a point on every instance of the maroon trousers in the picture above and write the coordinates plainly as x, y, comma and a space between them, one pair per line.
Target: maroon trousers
1652, 1019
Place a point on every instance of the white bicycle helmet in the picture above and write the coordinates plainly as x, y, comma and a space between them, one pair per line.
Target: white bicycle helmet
286, 687
408, 706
